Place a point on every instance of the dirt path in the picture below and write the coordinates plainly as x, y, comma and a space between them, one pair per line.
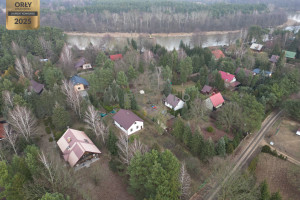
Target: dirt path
243, 157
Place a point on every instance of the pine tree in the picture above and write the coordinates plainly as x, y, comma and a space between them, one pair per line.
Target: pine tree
60, 118
221, 147
132, 73
122, 79
187, 136
167, 88
121, 98
127, 102
133, 102
178, 129
112, 143
197, 143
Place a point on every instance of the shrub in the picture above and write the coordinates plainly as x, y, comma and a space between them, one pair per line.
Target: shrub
58, 135
48, 130
253, 164
210, 129
50, 139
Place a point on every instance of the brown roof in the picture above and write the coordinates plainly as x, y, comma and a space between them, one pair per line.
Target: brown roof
126, 118
206, 89
173, 100
35, 86
2, 134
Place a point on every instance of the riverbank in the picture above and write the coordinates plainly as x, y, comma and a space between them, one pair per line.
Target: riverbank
136, 35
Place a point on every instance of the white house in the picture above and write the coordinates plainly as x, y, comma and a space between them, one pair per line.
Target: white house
128, 122
174, 102
298, 132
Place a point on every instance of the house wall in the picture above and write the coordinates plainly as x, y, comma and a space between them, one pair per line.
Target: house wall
168, 105
135, 127
79, 87
179, 105
209, 104
86, 66
298, 133
233, 80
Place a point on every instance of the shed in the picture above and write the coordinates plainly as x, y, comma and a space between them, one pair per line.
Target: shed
290, 54
36, 87
206, 89
116, 57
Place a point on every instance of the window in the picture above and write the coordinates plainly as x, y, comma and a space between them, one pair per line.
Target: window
131, 130
78, 88
137, 127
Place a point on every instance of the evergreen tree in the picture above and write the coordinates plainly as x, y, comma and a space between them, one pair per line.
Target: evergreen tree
178, 129
133, 44
133, 102
112, 143
185, 111
132, 73
141, 68
197, 143
187, 136
127, 102
167, 73
218, 82
122, 79
264, 191
221, 147
121, 97
53, 196
208, 150
186, 69
61, 117
167, 88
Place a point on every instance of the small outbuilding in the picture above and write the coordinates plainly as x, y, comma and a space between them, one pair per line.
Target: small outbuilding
36, 87
79, 83
215, 101
274, 59
116, 57
128, 122
174, 102
257, 71
207, 89
290, 54
82, 64
256, 47
218, 54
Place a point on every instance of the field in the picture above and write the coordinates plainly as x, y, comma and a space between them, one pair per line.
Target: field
283, 134
277, 173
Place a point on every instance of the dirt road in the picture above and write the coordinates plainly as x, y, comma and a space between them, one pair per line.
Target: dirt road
243, 157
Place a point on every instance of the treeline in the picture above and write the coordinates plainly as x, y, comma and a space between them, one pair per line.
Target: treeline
156, 16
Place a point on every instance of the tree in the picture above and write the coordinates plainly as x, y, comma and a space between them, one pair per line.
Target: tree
230, 116
218, 82
187, 136
186, 69
23, 121
73, 97
155, 175
264, 191
198, 108
291, 107
122, 79
52, 75
197, 143
185, 182
60, 118
127, 102
167, 88
66, 59
101, 59
133, 102
167, 73
112, 143
132, 73
53, 196
178, 129
276, 196
11, 137
94, 122
221, 147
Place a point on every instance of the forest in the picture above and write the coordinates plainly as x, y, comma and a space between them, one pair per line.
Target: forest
160, 16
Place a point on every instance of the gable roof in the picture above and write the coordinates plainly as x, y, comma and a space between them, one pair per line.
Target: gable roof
226, 76
206, 89
126, 118
79, 80
246, 71
218, 54
116, 57
36, 87
217, 99
79, 63
274, 59
74, 144
290, 54
173, 100
257, 47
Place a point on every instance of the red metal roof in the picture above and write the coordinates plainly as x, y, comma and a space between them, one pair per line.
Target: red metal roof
217, 99
218, 54
116, 57
226, 76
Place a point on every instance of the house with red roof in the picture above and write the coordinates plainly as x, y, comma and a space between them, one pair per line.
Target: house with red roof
215, 101
218, 54
116, 57
77, 147
128, 122
228, 78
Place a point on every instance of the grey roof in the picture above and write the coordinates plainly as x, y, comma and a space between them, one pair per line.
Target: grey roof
173, 100
274, 58
35, 86
80, 63
206, 89
126, 118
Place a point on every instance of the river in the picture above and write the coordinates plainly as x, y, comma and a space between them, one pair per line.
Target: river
169, 41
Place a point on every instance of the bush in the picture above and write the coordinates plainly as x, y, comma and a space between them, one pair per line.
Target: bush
267, 149
210, 129
58, 135
253, 164
50, 139
48, 130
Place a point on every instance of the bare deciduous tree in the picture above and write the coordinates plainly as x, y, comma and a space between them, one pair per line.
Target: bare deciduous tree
136, 147
27, 67
46, 45
8, 99
66, 60
19, 68
23, 121
11, 137
199, 108
49, 168
17, 50
93, 119
185, 182
73, 97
